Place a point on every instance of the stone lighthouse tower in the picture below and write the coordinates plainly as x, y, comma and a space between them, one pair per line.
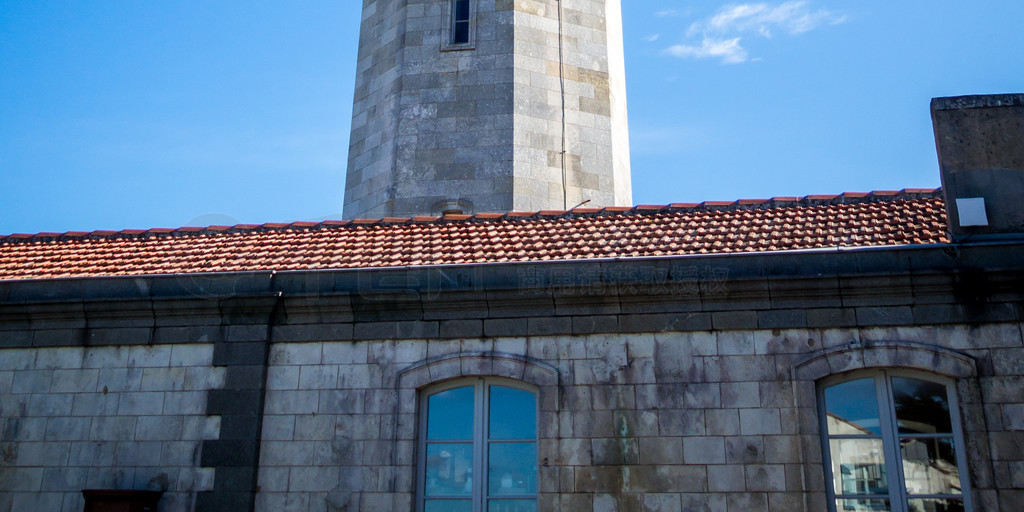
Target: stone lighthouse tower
488, 106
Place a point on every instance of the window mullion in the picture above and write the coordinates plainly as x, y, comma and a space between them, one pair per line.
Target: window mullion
421, 459
480, 448
893, 456
826, 449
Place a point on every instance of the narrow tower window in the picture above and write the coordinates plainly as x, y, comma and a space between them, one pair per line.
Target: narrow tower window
460, 21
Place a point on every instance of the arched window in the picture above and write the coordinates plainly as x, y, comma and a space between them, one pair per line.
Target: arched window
893, 442
478, 447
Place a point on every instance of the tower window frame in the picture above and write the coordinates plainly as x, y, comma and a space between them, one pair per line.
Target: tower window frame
874, 454
459, 473
459, 30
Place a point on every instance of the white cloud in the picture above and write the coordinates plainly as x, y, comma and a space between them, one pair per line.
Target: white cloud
721, 32
667, 13
652, 38
729, 50
794, 17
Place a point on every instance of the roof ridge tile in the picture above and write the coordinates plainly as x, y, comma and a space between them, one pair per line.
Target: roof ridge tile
739, 205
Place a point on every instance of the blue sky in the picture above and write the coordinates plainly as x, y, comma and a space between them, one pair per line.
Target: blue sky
126, 114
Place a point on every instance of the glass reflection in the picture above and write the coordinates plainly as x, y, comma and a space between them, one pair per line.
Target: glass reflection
512, 506
929, 466
512, 469
450, 415
859, 505
946, 505
513, 413
448, 506
921, 407
858, 467
852, 408
449, 469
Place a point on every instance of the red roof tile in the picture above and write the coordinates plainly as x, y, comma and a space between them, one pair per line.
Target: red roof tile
848, 220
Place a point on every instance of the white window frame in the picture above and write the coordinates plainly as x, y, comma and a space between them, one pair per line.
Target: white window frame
882, 379
481, 439
448, 28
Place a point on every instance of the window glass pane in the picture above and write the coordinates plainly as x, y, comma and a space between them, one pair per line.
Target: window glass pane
512, 506
450, 415
921, 407
448, 506
858, 505
946, 505
461, 10
449, 469
852, 408
858, 467
513, 414
461, 33
512, 469
929, 466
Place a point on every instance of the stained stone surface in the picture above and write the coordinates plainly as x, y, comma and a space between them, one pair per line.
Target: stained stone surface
482, 123
113, 417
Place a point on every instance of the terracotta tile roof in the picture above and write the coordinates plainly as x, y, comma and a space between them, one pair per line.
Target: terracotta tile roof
784, 223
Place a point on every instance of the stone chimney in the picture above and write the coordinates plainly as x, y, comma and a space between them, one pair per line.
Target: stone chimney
980, 141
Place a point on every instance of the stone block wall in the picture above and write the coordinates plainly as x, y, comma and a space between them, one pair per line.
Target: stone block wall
114, 417
483, 122
716, 421
580, 63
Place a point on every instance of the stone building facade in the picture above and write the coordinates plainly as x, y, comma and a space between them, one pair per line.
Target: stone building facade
527, 114
826, 353
697, 390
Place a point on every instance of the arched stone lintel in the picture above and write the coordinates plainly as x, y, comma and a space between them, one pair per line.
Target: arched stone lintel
478, 364
885, 354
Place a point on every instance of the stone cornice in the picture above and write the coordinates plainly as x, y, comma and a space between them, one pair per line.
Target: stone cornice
850, 288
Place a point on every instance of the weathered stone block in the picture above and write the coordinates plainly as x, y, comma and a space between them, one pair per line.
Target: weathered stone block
296, 354
191, 355
60, 358
681, 422
21, 480
344, 352
723, 422
92, 454
64, 480
151, 356
140, 404
185, 402
668, 479
50, 404
314, 428
158, 428
44, 454
68, 429
32, 381
615, 451
119, 379
1013, 416
163, 379
704, 450
726, 478
42, 501
292, 402
744, 450
765, 478
760, 422
740, 394
318, 377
